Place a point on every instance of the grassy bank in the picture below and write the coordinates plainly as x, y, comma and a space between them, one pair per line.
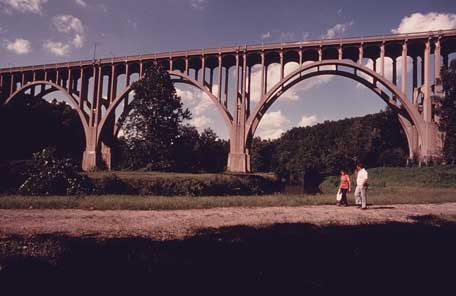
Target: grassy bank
387, 186
379, 196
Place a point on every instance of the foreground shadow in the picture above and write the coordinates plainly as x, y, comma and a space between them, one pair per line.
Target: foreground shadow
389, 259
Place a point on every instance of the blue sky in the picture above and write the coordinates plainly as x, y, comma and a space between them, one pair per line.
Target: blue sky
46, 31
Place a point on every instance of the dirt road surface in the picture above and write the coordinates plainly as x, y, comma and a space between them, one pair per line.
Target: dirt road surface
163, 225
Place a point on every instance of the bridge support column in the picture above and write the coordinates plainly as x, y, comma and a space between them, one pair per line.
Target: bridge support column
91, 154
238, 158
430, 142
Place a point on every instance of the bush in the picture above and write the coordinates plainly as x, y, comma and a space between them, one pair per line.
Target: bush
161, 185
50, 175
113, 185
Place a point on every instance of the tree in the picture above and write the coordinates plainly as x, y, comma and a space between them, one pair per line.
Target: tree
152, 126
446, 110
31, 124
213, 152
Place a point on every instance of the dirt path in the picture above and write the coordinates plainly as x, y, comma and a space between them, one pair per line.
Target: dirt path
178, 224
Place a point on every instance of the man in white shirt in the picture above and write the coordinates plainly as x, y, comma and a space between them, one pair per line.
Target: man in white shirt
361, 186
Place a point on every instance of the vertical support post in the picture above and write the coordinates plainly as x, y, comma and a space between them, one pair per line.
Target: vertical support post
382, 59
57, 77
69, 82
249, 88
263, 75
282, 66
414, 80
360, 54
94, 95
203, 69
320, 54
437, 66
113, 82
99, 95
22, 79
34, 76
45, 75
141, 69
236, 93
404, 68
427, 105
339, 52
171, 66
187, 70
244, 92
300, 56
219, 95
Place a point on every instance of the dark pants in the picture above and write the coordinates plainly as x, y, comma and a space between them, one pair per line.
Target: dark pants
343, 200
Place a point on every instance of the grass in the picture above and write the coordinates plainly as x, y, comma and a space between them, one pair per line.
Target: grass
154, 175
382, 196
387, 186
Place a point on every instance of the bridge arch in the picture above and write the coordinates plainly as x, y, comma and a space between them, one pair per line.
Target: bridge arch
54, 87
183, 79
408, 114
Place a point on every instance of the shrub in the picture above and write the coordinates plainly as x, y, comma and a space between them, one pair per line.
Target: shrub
163, 185
113, 185
50, 175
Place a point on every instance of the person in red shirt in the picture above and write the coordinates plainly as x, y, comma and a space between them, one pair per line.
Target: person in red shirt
344, 187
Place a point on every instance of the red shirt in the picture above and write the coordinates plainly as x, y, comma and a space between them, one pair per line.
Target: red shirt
344, 182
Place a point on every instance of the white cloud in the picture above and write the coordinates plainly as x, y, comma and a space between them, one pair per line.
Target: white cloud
199, 104
201, 122
198, 4
308, 120
337, 30
81, 3
339, 12
291, 94
204, 105
23, 6
57, 48
432, 21
266, 35
78, 41
187, 96
272, 125
67, 23
19, 46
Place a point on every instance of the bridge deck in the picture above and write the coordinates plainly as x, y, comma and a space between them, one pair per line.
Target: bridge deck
231, 49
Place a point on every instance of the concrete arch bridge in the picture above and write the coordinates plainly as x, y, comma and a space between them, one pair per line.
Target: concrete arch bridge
99, 89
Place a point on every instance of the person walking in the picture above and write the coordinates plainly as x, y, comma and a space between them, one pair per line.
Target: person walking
344, 187
361, 186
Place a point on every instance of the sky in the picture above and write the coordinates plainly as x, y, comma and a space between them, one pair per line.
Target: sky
49, 31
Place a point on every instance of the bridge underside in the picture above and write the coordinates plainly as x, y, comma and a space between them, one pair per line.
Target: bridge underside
100, 90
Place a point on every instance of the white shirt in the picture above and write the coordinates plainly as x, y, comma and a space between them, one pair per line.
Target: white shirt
361, 177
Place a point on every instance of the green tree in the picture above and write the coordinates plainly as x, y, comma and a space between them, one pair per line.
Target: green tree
213, 152
446, 110
153, 124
